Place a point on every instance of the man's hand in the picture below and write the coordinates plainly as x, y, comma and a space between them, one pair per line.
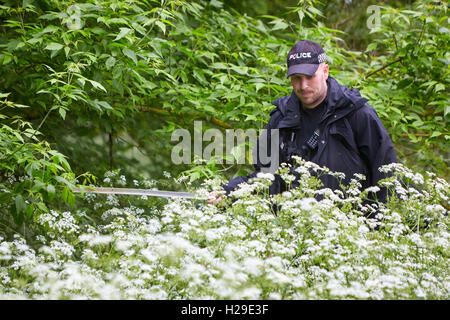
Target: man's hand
214, 197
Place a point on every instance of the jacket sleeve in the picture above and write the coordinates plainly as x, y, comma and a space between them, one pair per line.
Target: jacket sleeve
374, 144
264, 142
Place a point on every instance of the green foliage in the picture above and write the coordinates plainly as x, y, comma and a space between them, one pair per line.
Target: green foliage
32, 175
100, 85
104, 65
408, 81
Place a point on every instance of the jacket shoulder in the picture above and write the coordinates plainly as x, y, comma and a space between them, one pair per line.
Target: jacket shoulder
275, 116
281, 103
366, 110
280, 109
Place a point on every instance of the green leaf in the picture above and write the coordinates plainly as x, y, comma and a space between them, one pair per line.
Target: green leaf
435, 134
65, 164
66, 51
18, 218
372, 46
209, 109
446, 111
219, 65
54, 46
130, 54
439, 87
194, 176
161, 25
123, 32
315, 11
216, 4
97, 85
65, 194
259, 86
110, 62
301, 15
62, 180
70, 197
279, 25
51, 189
29, 211
104, 105
38, 185
62, 113
20, 204
5, 197
42, 207
22, 186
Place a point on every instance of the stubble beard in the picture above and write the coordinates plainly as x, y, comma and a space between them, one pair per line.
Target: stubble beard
312, 99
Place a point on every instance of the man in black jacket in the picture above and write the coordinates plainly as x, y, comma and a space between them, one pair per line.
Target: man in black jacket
325, 123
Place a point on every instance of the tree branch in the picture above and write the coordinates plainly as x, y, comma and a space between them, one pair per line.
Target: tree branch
216, 121
382, 68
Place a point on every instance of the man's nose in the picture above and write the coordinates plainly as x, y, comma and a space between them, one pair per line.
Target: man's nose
303, 83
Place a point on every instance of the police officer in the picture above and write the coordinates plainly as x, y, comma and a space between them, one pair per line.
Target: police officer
326, 123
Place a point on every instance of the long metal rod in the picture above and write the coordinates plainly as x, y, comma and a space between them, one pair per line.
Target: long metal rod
138, 192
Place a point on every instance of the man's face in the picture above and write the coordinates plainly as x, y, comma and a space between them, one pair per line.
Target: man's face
311, 90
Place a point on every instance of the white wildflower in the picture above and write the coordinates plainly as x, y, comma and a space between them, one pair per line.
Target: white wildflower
373, 189
268, 176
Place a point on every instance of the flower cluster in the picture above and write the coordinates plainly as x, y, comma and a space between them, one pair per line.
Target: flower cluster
305, 243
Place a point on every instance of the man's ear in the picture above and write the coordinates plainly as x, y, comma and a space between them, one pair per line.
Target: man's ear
325, 70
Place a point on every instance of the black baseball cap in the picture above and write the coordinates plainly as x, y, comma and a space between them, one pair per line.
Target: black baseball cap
304, 58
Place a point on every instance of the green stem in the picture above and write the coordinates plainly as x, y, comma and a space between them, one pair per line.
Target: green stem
8, 227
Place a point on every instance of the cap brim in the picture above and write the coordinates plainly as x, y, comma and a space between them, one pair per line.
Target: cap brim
304, 68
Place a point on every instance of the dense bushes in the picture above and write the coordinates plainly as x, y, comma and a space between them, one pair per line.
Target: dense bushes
101, 85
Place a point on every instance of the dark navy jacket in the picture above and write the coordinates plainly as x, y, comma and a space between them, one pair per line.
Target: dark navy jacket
352, 138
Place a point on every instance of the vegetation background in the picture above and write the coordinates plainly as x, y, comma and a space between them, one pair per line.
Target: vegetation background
96, 86
91, 92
